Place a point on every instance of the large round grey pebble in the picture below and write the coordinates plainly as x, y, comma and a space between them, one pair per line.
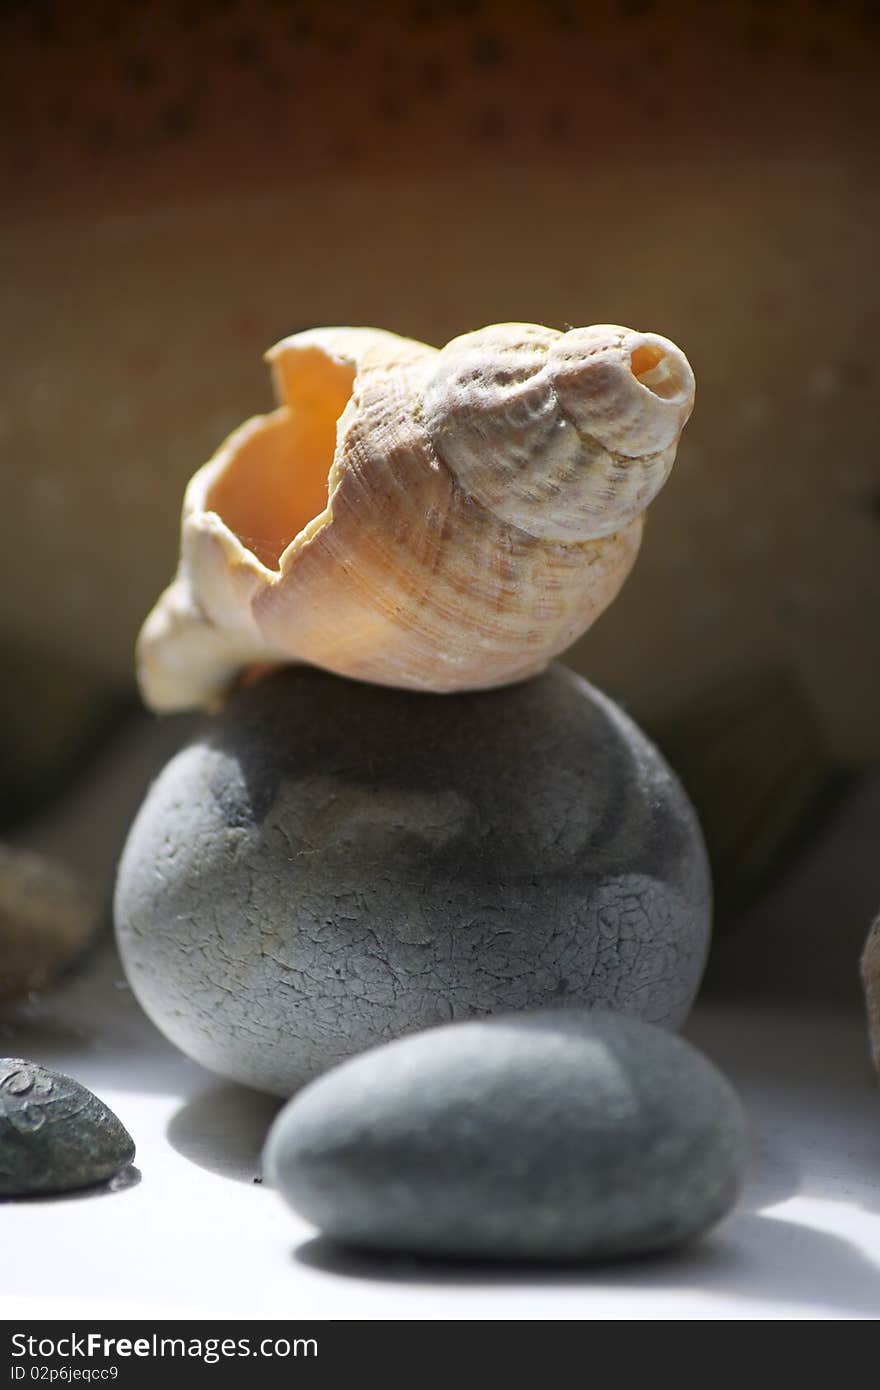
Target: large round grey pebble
330, 865
567, 1134
55, 1135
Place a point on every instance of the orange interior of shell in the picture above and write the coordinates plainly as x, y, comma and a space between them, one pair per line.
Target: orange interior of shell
645, 358
653, 368
275, 483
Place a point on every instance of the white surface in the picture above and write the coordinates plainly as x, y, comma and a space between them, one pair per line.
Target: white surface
196, 1237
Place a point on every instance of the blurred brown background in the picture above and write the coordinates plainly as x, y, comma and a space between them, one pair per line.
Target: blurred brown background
184, 183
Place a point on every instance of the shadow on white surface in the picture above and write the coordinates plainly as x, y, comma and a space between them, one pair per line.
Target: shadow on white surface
760, 1258
774, 1176
223, 1129
810, 1093
93, 1028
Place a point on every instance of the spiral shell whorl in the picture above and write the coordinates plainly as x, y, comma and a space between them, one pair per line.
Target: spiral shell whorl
568, 436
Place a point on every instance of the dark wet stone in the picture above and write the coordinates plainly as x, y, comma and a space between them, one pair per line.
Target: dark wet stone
331, 865
55, 1135
562, 1135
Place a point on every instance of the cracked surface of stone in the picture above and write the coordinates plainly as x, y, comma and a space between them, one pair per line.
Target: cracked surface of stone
331, 865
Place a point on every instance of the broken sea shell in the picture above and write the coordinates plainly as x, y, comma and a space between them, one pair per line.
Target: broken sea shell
434, 520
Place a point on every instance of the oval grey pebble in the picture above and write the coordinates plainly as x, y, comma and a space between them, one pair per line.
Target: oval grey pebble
55, 1135
561, 1135
332, 865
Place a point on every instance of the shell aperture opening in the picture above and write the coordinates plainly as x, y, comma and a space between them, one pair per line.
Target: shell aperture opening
658, 371
276, 482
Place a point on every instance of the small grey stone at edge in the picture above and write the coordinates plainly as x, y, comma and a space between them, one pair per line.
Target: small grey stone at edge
55, 1135
561, 1135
